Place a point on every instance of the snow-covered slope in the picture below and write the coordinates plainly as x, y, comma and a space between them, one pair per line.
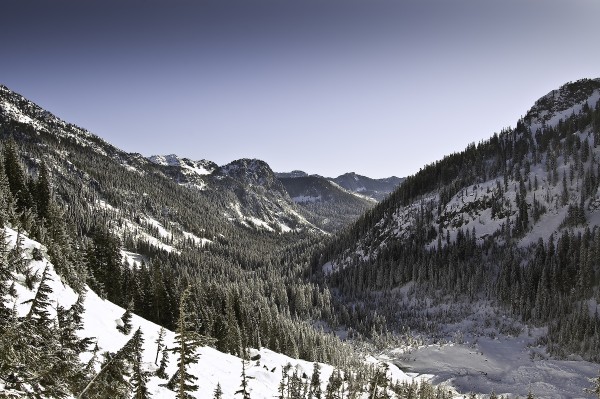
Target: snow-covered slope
101, 319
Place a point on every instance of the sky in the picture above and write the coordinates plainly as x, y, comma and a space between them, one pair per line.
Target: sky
377, 87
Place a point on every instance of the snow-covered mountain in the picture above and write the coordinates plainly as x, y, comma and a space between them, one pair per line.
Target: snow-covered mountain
243, 192
260, 198
480, 271
121, 224
377, 189
521, 168
510, 225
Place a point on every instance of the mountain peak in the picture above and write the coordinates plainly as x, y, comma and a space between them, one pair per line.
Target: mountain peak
246, 168
563, 102
201, 167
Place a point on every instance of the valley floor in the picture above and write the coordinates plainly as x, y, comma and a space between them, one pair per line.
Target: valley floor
502, 364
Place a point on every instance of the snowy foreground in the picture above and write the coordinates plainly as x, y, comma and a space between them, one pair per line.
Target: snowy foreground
101, 318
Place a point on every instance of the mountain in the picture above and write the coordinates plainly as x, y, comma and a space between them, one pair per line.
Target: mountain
377, 189
98, 248
332, 204
133, 233
498, 241
326, 204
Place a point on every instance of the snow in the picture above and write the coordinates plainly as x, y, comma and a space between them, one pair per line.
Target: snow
505, 365
105, 205
132, 259
101, 318
328, 268
551, 120
199, 168
162, 232
19, 116
245, 219
196, 240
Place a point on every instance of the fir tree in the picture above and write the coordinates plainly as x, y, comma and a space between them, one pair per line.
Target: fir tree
17, 180
41, 302
187, 342
112, 381
139, 377
315, 382
333, 385
42, 192
159, 343
244, 384
218, 393
164, 361
125, 328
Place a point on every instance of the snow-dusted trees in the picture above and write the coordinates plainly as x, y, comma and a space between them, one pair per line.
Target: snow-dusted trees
595, 386
38, 354
120, 374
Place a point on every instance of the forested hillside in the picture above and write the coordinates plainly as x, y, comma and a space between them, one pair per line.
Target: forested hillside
138, 238
513, 222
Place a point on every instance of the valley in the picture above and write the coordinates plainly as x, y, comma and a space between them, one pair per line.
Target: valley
477, 275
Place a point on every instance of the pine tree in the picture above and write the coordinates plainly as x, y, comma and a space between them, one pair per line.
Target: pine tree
315, 382
187, 342
164, 361
333, 385
218, 393
244, 384
7, 206
5, 276
112, 379
17, 180
139, 377
159, 343
68, 324
42, 192
125, 328
41, 302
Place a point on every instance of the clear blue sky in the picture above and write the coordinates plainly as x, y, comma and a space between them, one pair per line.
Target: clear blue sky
379, 87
